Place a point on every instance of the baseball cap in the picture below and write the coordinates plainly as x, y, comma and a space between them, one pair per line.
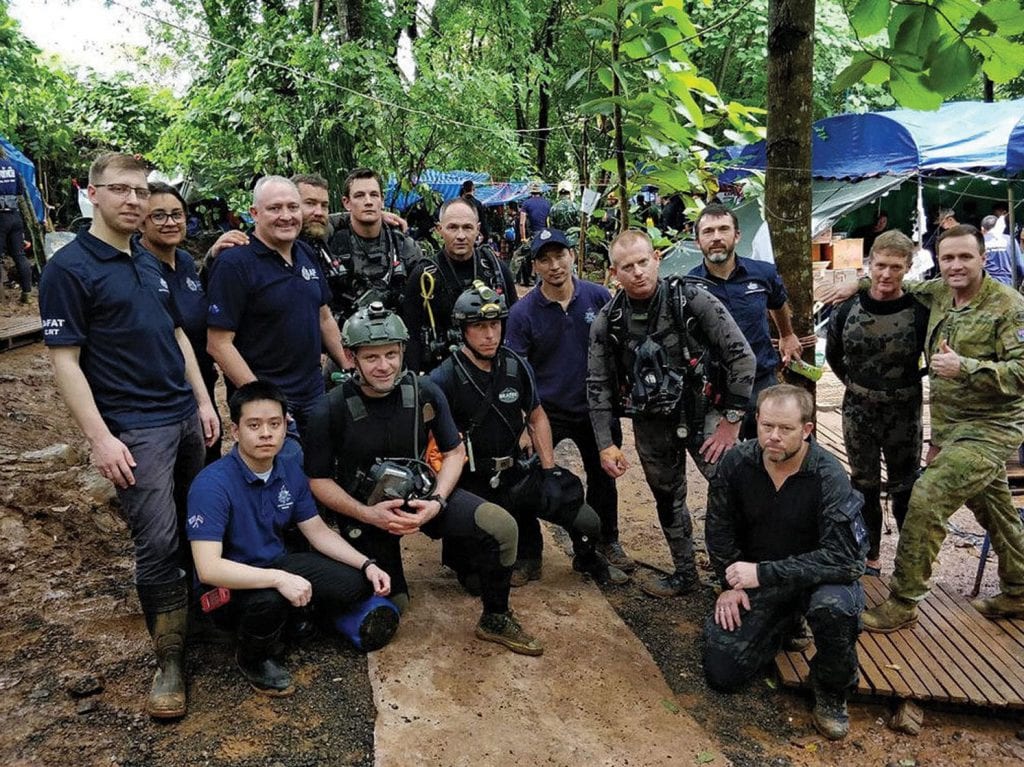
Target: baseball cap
548, 237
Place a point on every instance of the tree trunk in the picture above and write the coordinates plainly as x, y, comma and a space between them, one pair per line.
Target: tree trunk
620, 144
788, 182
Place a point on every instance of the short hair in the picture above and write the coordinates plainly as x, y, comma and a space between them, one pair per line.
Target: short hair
252, 392
457, 201
267, 181
467, 186
358, 174
626, 239
894, 240
159, 187
117, 161
716, 209
962, 230
310, 179
804, 399
988, 223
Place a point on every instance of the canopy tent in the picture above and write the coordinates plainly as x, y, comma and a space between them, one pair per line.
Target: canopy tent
960, 136
27, 171
448, 183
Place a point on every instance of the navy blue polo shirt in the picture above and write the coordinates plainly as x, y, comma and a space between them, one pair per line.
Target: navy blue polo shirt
117, 308
229, 503
748, 293
555, 342
274, 310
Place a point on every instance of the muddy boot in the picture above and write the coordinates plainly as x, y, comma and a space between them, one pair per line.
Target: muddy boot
524, 571
892, 615
505, 629
261, 670
597, 567
675, 585
166, 610
1000, 606
799, 637
613, 552
830, 716
26, 297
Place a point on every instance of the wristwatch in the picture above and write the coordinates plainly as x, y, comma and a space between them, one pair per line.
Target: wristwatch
734, 416
443, 503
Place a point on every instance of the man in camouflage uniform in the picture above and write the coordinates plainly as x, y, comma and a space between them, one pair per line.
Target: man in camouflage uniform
786, 539
652, 350
975, 348
875, 340
565, 214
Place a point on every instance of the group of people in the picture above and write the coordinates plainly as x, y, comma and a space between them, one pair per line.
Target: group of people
445, 396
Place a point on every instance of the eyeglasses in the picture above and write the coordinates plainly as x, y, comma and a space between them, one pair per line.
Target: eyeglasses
161, 216
123, 190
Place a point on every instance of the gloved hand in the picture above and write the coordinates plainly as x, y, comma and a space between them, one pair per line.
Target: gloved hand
551, 489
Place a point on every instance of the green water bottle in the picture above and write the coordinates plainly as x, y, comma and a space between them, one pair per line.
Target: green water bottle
805, 369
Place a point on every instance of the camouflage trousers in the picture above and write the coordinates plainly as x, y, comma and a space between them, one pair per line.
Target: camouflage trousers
733, 658
967, 472
873, 427
663, 458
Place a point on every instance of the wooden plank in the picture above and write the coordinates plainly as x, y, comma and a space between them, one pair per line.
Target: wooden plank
872, 644
909, 649
20, 331
787, 672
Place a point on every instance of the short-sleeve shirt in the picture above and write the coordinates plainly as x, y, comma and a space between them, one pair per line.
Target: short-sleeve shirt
748, 293
117, 308
536, 209
190, 300
229, 503
555, 342
273, 307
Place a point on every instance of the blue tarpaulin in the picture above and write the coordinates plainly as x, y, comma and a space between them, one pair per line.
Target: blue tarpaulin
27, 170
447, 185
961, 136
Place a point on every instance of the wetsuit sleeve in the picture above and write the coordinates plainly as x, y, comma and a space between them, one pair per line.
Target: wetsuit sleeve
318, 447
442, 425
729, 345
834, 341
412, 313
511, 296
843, 539
721, 524
601, 381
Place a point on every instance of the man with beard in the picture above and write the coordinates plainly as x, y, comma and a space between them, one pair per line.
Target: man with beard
269, 315
751, 291
127, 373
435, 285
786, 539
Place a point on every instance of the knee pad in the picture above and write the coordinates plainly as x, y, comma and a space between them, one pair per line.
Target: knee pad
586, 522
499, 525
722, 672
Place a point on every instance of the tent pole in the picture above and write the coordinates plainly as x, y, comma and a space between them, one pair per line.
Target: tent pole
1014, 243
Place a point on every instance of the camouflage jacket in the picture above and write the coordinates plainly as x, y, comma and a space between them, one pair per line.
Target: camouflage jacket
564, 214
985, 402
713, 328
734, 500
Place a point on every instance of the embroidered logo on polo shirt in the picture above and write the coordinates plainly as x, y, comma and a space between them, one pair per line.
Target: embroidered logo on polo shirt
52, 326
214, 309
752, 286
195, 520
590, 316
508, 396
163, 286
284, 499
309, 273
192, 285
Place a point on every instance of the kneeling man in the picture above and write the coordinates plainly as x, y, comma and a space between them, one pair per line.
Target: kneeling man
786, 538
237, 509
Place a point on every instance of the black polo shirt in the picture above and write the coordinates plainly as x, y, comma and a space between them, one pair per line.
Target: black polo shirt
117, 308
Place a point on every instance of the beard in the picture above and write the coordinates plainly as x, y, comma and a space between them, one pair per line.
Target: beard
314, 230
719, 256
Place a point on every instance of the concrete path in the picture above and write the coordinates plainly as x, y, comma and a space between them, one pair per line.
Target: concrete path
594, 698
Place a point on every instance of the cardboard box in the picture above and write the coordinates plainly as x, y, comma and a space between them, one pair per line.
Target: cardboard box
848, 254
823, 237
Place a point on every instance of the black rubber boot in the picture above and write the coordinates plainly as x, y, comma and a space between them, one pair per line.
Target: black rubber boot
830, 715
255, 660
166, 609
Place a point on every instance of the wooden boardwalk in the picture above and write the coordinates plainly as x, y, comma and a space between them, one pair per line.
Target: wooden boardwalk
952, 655
19, 331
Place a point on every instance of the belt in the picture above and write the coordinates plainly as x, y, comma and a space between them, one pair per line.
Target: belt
885, 395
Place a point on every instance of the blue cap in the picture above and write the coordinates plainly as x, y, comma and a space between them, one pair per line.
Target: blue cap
547, 237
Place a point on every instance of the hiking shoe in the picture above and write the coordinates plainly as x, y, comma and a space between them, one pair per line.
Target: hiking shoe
1000, 606
524, 571
892, 615
265, 675
674, 585
800, 637
597, 567
616, 557
505, 629
830, 716
25, 297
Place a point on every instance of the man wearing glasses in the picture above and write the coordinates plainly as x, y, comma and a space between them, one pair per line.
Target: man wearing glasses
129, 377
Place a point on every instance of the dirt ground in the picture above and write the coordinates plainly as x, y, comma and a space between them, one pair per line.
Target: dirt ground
74, 660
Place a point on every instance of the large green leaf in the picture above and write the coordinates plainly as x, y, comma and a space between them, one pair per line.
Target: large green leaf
916, 31
1004, 59
1006, 15
854, 72
910, 90
952, 68
869, 16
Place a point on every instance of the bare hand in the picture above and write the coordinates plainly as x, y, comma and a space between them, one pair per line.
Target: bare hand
790, 348
114, 460
727, 608
526, 442
836, 294
946, 362
742, 575
721, 439
385, 514
614, 462
209, 422
379, 579
393, 219
228, 240
411, 521
294, 588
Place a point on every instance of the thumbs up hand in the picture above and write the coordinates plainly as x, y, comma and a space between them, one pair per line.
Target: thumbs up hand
945, 363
